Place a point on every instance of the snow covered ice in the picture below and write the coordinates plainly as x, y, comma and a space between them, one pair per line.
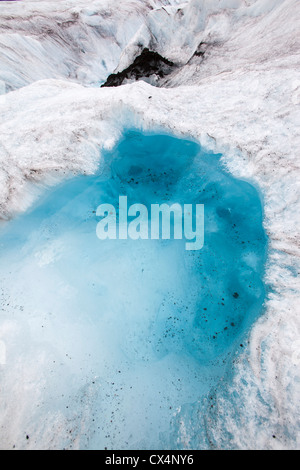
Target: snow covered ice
236, 91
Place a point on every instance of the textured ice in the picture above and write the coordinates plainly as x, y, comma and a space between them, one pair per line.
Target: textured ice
138, 328
241, 98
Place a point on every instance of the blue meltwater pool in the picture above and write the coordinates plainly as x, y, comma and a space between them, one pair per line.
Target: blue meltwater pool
118, 335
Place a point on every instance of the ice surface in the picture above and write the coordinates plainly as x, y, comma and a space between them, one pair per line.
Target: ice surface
240, 99
65, 39
145, 326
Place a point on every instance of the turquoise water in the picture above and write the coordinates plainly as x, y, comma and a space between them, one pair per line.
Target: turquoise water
145, 323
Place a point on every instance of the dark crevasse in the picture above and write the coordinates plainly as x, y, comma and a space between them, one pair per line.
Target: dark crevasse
148, 64
150, 325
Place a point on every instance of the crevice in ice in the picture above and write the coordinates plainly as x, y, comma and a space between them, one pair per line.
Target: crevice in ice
148, 64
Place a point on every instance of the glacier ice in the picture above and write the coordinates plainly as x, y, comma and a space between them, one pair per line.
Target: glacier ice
239, 97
